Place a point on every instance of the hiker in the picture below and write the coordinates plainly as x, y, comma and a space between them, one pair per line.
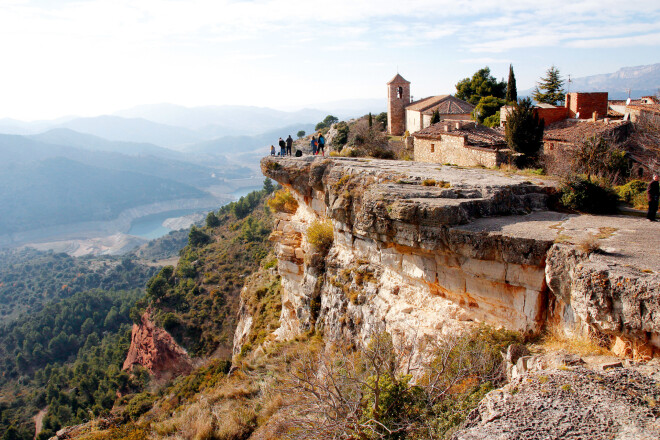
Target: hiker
321, 144
289, 144
272, 150
314, 145
282, 147
652, 195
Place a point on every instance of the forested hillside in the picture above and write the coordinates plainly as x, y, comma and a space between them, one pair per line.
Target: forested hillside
30, 278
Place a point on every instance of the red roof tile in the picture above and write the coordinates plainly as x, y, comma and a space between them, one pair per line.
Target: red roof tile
577, 131
398, 79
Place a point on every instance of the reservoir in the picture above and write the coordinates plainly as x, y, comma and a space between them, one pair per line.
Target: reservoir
151, 226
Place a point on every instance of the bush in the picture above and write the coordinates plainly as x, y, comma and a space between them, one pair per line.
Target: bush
138, 405
634, 193
320, 235
583, 195
283, 201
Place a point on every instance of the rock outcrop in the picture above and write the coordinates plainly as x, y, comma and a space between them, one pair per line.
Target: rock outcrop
422, 249
576, 401
155, 350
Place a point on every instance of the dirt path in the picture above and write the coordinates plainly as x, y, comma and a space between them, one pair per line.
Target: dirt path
38, 421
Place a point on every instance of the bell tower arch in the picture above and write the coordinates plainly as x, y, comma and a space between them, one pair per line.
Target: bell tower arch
398, 97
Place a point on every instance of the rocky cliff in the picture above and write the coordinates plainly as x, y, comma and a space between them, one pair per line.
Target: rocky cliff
155, 350
423, 249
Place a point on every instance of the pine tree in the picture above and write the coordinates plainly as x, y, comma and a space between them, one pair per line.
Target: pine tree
511, 91
371, 121
550, 89
524, 131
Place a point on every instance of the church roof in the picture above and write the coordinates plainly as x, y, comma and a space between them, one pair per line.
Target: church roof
398, 79
477, 135
446, 105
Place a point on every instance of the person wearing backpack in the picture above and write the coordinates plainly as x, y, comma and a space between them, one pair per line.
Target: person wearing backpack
282, 147
321, 142
314, 145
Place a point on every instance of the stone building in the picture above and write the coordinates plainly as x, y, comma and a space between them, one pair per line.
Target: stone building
404, 115
460, 143
578, 105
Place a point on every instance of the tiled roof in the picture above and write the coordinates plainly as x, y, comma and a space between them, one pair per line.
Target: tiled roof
446, 105
451, 106
651, 108
477, 135
398, 79
575, 132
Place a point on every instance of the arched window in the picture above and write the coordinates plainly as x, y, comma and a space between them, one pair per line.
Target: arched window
399, 92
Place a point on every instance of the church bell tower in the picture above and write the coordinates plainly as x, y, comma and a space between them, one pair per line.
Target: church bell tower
398, 97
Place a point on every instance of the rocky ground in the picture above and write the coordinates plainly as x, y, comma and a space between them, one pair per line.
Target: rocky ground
564, 397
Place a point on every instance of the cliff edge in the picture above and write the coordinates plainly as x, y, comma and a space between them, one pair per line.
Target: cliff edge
424, 249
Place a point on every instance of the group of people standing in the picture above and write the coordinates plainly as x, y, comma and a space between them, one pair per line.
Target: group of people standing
317, 144
285, 147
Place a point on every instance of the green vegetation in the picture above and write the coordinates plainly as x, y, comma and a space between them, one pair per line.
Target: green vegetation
29, 279
634, 193
487, 108
481, 85
167, 246
301, 134
326, 123
198, 300
524, 132
550, 89
341, 137
597, 156
511, 90
581, 194
67, 357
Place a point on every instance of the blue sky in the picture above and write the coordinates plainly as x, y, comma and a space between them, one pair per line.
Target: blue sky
99, 56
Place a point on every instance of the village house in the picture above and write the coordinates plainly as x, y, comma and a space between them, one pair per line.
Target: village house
406, 116
460, 143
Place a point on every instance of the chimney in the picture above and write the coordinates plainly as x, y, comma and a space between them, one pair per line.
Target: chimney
447, 128
607, 121
458, 126
595, 116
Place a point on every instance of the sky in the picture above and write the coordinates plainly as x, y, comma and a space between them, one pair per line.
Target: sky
91, 57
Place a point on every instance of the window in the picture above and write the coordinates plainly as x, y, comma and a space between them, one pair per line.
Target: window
399, 92
432, 148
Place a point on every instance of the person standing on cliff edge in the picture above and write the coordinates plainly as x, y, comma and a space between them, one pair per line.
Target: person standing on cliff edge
652, 195
282, 147
289, 144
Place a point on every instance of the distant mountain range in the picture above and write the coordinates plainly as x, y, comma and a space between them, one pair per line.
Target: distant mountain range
639, 80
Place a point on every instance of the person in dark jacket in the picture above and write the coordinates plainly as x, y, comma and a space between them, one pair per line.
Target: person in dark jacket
282, 147
313, 144
321, 148
289, 144
652, 195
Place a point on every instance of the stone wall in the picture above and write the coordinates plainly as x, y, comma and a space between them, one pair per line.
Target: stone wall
396, 112
413, 121
453, 149
426, 119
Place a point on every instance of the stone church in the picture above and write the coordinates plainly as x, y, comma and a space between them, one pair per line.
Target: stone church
404, 115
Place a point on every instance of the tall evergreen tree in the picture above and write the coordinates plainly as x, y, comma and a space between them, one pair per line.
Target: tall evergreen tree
511, 91
550, 89
435, 117
480, 85
524, 130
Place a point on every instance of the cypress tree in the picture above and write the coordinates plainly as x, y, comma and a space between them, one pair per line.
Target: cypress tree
371, 121
553, 87
511, 91
524, 130
435, 117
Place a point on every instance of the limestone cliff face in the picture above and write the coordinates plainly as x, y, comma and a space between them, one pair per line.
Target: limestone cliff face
401, 257
155, 349
421, 249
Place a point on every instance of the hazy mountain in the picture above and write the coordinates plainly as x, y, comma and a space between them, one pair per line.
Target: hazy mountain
59, 191
14, 148
65, 136
641, 80
235, 145
216, 121
115, 128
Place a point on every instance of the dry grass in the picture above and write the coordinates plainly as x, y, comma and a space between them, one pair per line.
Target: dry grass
589, 245
283, 201
555, 340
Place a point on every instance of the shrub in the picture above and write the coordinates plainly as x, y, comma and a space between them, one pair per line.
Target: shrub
283, 201
320, 235
633, 192
428, 182
139, 404
583, 195
197, 237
